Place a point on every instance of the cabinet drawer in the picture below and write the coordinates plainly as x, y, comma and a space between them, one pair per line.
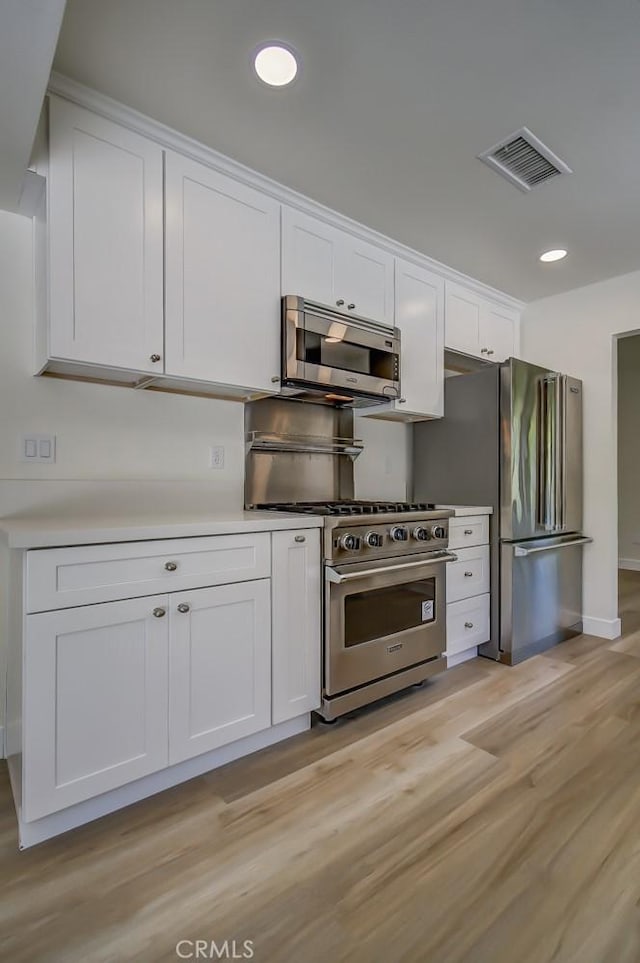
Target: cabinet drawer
59, 578
473, 530
468, 576
467, 623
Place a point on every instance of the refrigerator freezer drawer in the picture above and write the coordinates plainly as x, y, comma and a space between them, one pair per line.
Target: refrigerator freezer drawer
467, 623
541, 595
469, 576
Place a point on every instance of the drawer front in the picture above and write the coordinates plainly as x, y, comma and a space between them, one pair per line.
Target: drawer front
59, 578
467, 623
464, 532
469, 576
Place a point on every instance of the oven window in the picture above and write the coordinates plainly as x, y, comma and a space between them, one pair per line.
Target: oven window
385, 611
313, 348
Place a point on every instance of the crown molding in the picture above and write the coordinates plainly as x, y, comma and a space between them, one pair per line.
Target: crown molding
171, 139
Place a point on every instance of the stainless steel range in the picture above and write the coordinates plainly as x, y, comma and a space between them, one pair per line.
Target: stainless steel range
384, 562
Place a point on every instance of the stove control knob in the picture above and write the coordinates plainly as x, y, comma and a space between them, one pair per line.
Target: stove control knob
399, 534
438, 531
373, 540
350, 543
421, 534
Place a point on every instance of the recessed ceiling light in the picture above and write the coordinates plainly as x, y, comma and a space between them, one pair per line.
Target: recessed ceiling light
276, 64
555, 255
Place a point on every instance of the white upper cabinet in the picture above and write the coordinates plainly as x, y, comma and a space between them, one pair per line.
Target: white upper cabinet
420, 317
479, 326
105, 218
296, 592
222, 278
323, 263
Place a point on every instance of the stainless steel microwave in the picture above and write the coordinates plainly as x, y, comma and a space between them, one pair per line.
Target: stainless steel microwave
349, 360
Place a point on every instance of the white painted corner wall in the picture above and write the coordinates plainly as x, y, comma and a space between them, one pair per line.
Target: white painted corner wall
576, 332
629, 453
119, 449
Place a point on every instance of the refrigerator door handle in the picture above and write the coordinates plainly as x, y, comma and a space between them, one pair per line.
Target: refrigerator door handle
521, 550
558, 454
550, 462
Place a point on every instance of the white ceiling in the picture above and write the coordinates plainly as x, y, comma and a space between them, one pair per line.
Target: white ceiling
395, 99
28, 35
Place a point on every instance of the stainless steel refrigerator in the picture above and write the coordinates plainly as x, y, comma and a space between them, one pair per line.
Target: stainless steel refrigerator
511, 437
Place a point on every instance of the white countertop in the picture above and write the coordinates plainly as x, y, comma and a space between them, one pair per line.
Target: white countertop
42, 531
461, 511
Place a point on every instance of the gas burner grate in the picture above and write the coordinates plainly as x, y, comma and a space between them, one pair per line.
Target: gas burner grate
354, 507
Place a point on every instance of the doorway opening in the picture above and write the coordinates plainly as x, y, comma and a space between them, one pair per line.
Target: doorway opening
628, 422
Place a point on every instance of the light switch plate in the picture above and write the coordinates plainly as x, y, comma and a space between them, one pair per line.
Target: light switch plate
38, 448
216, 457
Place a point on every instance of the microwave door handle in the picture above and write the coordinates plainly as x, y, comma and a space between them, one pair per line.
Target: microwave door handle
337, 578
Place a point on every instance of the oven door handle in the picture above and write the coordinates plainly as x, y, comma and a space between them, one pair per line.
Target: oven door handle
332, 576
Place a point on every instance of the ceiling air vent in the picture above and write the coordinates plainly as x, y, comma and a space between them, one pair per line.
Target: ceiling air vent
524, 160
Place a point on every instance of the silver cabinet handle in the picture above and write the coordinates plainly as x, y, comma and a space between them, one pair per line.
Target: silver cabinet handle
402, 401
520, 550
468, 531
159, 613
468, 574
484, 351
275, 380
183, 607
170, 566
155, 358
468, 625
299, 538
351, 306
340, 302
490, 352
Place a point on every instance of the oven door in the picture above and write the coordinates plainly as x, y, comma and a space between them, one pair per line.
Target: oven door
383, 617
329, 352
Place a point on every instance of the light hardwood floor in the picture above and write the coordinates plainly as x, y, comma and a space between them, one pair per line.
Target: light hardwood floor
492, 816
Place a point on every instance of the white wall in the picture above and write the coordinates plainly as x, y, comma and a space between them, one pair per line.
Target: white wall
119, 449
629, 452
576, 333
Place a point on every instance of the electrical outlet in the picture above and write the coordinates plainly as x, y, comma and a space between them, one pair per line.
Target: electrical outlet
38, 448
216, 457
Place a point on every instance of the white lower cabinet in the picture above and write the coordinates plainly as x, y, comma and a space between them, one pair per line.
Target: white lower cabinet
296, 594
219, 666
115, 691
95, 701
468, 587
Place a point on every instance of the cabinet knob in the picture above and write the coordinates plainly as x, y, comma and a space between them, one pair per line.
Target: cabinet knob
402, 401
468, 531
299, 538
468, 625
340, 302
468, 574
351, 306
159, 613
155, 358
489, 352
171, 566
484, 351
275, 380
183, 607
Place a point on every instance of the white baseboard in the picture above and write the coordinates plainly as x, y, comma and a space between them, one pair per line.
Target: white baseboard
632, 564
459, 657
601, 628
37, 831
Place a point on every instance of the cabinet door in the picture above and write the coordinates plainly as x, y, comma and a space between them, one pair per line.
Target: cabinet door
220, 667
463, 309
364, 279
95, 701
310, 252
105, 242
296, 623
222, 278
420, 317
497, 332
